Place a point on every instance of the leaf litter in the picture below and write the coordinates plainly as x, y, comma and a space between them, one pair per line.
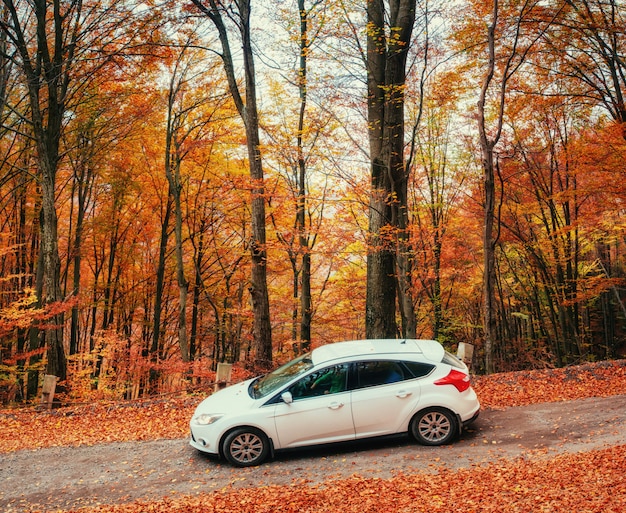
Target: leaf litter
593, 481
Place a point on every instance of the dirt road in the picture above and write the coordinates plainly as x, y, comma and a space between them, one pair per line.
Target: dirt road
64, 478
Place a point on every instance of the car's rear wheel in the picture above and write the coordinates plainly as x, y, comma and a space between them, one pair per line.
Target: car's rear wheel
434, 426
246, 447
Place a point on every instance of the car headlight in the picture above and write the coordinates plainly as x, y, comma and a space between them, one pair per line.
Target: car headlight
206, 418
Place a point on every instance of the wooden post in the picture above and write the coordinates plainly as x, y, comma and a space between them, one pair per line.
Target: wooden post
465, 352
222, 377
47, 393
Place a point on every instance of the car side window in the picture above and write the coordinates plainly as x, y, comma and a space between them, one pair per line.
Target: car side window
331, 380
418, 369
383, 372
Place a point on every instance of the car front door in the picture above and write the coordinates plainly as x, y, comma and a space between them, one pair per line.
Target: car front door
385, 395
319, 411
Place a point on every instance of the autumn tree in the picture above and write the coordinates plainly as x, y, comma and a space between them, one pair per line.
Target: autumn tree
87, 141
177, 130
239, 14
585, 53
219, 224
507, 45
304, 238
389, 29
297, 134
537, 276
435, 190
194, 115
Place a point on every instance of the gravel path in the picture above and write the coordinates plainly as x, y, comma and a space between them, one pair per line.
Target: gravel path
71, 477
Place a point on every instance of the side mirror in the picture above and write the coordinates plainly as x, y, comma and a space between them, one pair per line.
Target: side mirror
287, 397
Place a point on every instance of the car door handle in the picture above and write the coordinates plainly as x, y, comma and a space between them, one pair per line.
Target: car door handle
403, 394
335, 405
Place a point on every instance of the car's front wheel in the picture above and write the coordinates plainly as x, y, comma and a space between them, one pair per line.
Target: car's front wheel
246, 447
434, 426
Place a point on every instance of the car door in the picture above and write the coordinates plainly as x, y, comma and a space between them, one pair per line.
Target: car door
384, 397
319, 412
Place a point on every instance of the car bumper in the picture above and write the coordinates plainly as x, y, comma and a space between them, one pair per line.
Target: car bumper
468, 407
472, 418
202, 439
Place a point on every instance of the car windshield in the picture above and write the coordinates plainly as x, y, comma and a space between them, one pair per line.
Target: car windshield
270, 383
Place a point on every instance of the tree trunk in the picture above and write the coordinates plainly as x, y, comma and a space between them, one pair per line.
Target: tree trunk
160, 280
388, 261
489, 196
304, 250
53, 337
197, 287
175, 189
489, 259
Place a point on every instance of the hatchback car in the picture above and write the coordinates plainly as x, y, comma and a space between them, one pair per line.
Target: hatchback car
339, 392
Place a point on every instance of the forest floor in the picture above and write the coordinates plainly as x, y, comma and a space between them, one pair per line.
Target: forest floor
550, 440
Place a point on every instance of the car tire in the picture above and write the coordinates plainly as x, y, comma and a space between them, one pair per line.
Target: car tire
434, 426
246, 447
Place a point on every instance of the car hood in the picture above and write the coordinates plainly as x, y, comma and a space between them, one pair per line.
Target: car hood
228, 400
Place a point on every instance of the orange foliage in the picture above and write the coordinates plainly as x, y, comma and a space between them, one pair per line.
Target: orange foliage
94, 424
520, 388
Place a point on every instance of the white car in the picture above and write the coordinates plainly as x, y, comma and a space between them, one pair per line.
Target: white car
339, 392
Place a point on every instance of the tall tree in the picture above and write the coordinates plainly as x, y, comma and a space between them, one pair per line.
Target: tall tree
507, 49
301, 226
389, 29
189, 123
174, 137
297, 137
46, 65
437, 183
240, 14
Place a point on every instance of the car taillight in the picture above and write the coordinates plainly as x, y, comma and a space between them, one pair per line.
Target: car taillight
459, 379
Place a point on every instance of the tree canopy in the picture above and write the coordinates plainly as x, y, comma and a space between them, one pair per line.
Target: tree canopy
189, 183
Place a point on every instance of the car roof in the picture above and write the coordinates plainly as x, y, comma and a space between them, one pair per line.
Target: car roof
430, 349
